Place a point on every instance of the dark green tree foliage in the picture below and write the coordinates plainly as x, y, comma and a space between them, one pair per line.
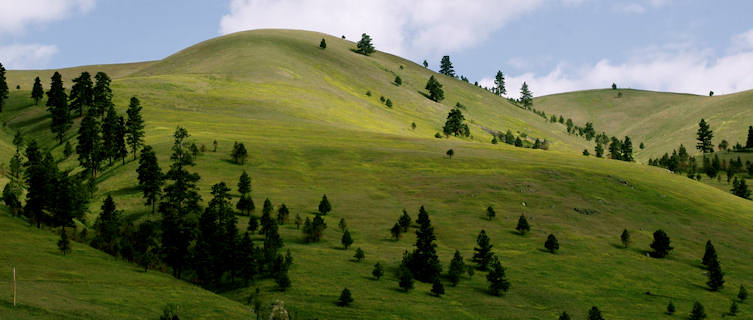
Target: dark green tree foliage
110, 134
457, 268
283, 281
445, 67
266, 216
37, 91
217, 241
239, 153
526, 96
324, 205
599, 150
490, 213
107, 228
698, 313
11, 192
245, 203
625, 238
395, 231
346, 240
594, 314
18, 140
483, 254
749, 140
671, 308
709, 254
68, 200
282, 214
404, 221
523, 225
437, 288
359, 255
564, 316
627, 150
509, 137
704, 136
424, 262
272, 244
150, 176
121, 150
342, 224
89, 147
450, 153
742, 294
102, 94
518, 143
499, 84
551, 244
732, 309
57, 105
67, 150
64, 244
323, 44
364, 45
426, 64
660, 245
434, 88
179, 204
378, 271
82, 93
38, 182
253, 223
247, 254
715, 274
454, 124
314, 229
498, 283
404, 277
740, 188
134, 126
3, 87
615, 149
345, 298
170, 312
398, 81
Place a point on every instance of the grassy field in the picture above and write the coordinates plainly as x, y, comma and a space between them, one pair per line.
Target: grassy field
310, 129
661, 120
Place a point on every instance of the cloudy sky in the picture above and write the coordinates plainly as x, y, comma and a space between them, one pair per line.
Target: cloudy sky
555, 45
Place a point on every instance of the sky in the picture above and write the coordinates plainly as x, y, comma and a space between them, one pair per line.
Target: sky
554, 45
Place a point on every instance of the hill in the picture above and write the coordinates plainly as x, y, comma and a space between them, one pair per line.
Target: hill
662, 121
310, 129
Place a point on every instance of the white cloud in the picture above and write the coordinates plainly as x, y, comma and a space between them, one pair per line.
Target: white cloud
26, 56
16, 15
743, 41
631, 7
408, 28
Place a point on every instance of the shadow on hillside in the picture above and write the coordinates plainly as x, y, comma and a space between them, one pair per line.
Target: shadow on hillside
424, 94
125, 191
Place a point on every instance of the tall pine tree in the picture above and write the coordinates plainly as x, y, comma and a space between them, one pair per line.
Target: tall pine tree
89, 147
424, 262
102, 94
483, 254
704, 136
37, 91
150, 176
82, 93
134, 126
57, 105
3, 87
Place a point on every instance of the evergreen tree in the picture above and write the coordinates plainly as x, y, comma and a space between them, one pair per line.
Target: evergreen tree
615, 149
121, 150
324, 205
67, 200
496, 277
37, 92
38, 182
82, 93
247, 254
704, 136
364, 45
697, 313
483, 254
564, 316
457, 268
89, 147
499, 84
551, 243
345, 298
424, 262
107, 227
450, 153
245, 203
715, 274
627, 150
266, 216
436, 93
709, 255
732, 309
342, 224
749, 140
67, 150
64, 244
395, 231
147, 244
134, 126
398, 81
594, 314
526, 96
102, 94
283, 281
454, 124
346, 240
3, 87
490, 213
239, 153
509, 137
57, 105
314, 229
523, 225
660, 245
625, 238
599, 150
518, 143
110, 134
323, 44
359, 255
740, 188
150, 176
445, 67
436, 287
253, 223
404, 277
282, 214
378, 271
426, 64
671, 308
742, 294
11, 192
404, 221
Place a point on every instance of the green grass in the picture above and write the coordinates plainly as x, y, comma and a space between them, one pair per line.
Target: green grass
310, 130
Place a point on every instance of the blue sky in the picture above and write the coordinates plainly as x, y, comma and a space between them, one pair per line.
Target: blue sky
554, 45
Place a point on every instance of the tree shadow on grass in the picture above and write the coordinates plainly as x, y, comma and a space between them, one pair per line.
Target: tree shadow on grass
424, 94
126, 191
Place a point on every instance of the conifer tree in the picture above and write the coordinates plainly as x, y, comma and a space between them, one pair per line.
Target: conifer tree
345, 298
150, 176
599, 150
518, 142
64, 244
434, 88
324, 205
698, 312
82, 93
346, 240
245, 203
102, 94
239, 153
732, 309
740, 188
110, 134
398, 80
11, 192
498, 283
426, 64
359, 255
625, 238
457, 268
253, 224
37, 91
424, 262
89, 147
378, 271
283, 281
395, 231
594, 314
38, 183
3, 87
671, 308
523, 225
709, 255
57, 105
282, 214
627, 150
715, 274
551, 243
704, 136
526, 96
134, 126
266, 216
499, 84
749, 140
364, 45
405, 277
404, 221
436, 287
107, 227
445, 67
342, 224
660, 245
121, 150
564, 316
454, 124
490, 213
323, 44
742, 294
483, 254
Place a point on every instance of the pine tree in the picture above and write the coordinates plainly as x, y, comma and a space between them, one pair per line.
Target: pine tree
102, 94
323, 44
282, 214
324, 205
364, 45
671, 308
709, 255
518, 142
314, 229
378, 271
749, 140
499, 84
490, 213
704, 136
551, 243
715, 274
526, 96
3, 87
523, 225
404, 221
298, 221
733, 309
398, 81
89, 147
266, 216
346, 240
11, 192
660, 245
82, 93
57, 105
239, 153
38, 183
107, 227
625, 238
627, 150
345, 298
599, 150
67, 150
245, 204
359, 255
594, 314
426, 64
436, 93
121, 150
342, 225
64, 244
395, 231
424, 262
496, 277
742, 294
445, 67
436, 287
283, 281
740, 188
450, 153
150, 176
457, 268
37, 91
697, 313
405, 277
110, 134
135, 126
483, 254
564, 316
253, 224
454, 124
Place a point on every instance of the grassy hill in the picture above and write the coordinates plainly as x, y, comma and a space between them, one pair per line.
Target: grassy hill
310, 129
661, 120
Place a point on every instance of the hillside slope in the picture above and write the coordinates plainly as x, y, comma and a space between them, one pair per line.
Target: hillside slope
310, 130
661, 120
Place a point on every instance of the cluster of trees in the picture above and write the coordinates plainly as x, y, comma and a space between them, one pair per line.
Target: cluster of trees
509, 138
455, 125
239, 154
3, 87
364, 46
436, 93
